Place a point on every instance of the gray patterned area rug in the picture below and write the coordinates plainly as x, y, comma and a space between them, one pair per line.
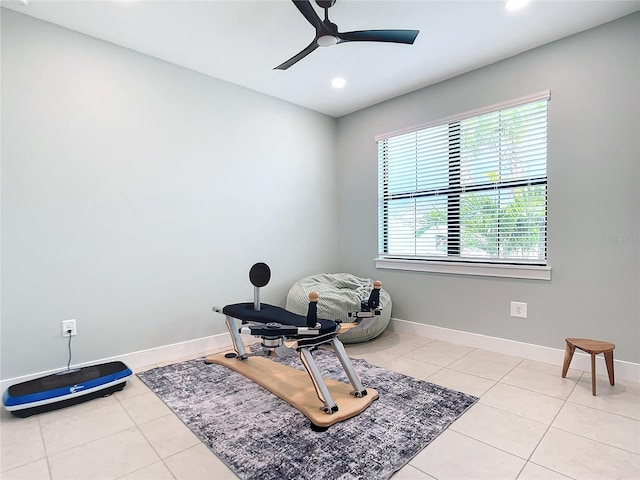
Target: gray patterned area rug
259, 436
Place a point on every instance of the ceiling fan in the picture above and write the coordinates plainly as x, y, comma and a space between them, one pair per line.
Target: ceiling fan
327, 33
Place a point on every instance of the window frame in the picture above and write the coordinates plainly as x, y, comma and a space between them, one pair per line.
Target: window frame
494, 267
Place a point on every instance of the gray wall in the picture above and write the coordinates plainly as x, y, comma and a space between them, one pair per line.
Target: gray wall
594, 205
136, 194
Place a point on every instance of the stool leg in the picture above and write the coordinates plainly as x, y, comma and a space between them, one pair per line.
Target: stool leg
608, 358
568, 355
593, 374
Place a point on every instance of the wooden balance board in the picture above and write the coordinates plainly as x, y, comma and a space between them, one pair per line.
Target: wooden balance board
296, 388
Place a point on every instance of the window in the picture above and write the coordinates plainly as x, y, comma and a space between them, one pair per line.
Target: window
470, 188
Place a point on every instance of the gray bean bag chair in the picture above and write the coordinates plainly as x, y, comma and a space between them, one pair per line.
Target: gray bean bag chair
340, 293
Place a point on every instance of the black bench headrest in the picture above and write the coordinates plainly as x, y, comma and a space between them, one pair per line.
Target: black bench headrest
260, 274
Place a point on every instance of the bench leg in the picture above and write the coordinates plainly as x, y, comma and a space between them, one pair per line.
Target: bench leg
341, 353
568, 355
238, 346
608, 358
322, 391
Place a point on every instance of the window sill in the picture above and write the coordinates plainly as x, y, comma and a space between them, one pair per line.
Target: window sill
533, 272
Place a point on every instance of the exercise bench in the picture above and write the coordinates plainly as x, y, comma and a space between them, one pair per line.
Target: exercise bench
282, 333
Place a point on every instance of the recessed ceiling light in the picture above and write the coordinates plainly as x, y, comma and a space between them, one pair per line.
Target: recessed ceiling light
515, 4
338, 82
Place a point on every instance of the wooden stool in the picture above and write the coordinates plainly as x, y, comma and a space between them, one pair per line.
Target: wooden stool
592, 347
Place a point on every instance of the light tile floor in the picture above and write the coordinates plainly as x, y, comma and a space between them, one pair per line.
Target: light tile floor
529, 424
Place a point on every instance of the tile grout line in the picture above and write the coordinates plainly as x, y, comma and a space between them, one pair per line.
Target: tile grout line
597, 441
573, 402
564, 402
479, 397
496, 448
567, 401
160, 458
46, 453
546, 468
496, 382
526, 460
49, 455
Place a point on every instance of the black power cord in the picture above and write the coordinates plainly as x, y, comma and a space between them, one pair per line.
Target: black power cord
69, 362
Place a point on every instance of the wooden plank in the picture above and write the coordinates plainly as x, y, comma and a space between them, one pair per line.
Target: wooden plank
296, 388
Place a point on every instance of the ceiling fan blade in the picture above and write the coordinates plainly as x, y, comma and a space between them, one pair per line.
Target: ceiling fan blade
296, 58
393, 36
306, 9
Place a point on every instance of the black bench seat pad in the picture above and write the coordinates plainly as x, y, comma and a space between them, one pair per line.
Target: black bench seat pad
270, 313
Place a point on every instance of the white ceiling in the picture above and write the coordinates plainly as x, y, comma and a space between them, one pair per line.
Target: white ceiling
242, 41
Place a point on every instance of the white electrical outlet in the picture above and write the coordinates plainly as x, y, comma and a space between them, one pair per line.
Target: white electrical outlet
519, 309
69, 325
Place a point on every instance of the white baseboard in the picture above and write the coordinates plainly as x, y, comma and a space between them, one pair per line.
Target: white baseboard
555, 356
167, 353
143, 358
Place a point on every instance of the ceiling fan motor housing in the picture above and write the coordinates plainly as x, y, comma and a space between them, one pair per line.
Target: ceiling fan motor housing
325, 3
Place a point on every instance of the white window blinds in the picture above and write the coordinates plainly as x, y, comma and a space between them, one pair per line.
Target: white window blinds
469, 188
